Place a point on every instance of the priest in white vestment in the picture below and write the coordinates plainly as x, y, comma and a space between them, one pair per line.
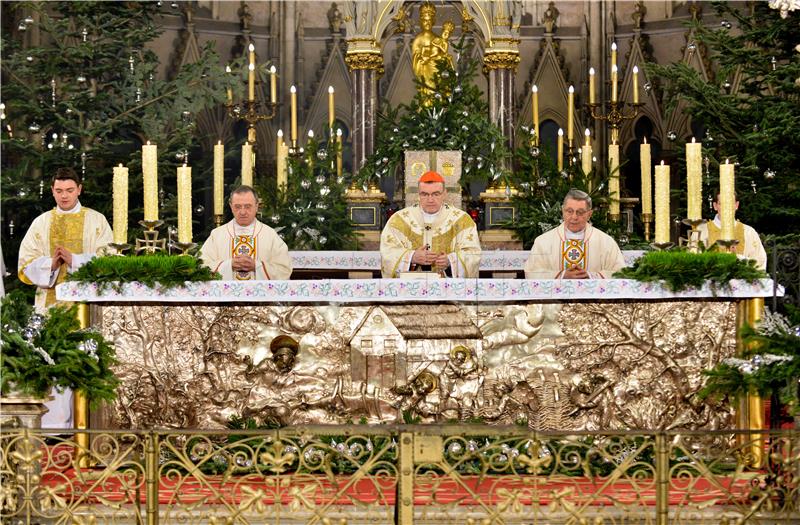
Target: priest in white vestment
749, 245
58, 242
430, 236
246, 249
574, 249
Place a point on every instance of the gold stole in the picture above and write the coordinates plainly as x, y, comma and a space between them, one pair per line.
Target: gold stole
738, 233
243, 245
573, 254
66, 230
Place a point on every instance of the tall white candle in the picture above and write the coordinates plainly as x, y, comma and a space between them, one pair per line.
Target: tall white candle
219, 178
662, 203
184, 204
251, 73
727, 200
560, 149
281, 153
273, 85
247, 164
339, 152
694, 173
613, 179
586, 153
293, 91
591, 85
331, 110
635, 84
535, 109
614, 83
570, 112
120, 187
150, 181
647, 183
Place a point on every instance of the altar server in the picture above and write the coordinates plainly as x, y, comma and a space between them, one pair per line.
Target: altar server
246, 249
61, 240
749, 245
58, 242
430, 235
574, 249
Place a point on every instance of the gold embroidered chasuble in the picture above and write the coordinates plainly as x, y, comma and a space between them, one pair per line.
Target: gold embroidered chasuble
452, 232
269, 251
749, 245
83, 233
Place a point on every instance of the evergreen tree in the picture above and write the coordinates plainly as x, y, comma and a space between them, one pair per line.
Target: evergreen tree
455, 118
311, 212
750, 108
88, 96
541, 190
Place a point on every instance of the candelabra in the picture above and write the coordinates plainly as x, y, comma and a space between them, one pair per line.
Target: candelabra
249, 111
615, 116
151, 243
693, 236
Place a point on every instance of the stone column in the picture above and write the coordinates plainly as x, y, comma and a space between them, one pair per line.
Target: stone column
500, 64
366, 65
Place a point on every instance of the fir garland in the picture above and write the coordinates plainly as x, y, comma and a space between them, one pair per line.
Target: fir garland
681, 269
162, 271
769, 364
42, 352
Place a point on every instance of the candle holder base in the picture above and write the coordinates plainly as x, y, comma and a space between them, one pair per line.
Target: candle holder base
119, 248
662, 246
693, 240
728, 245
184, 247
647, 219
218, 220
151, 243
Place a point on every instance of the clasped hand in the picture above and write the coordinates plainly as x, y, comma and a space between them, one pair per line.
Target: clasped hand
243, 263
575, 272
61, 256
424, 256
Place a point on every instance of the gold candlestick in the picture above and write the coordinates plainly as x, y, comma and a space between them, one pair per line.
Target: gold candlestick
252, 110
151, 243
647, 219
119, 248
662, 246
184, 247
693, 240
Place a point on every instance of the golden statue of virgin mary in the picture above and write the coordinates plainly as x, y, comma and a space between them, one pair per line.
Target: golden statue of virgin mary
428, 49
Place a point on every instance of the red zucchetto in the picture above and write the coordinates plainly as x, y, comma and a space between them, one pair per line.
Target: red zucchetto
431, 176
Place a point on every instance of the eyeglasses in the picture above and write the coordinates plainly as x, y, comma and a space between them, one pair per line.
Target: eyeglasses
426, 195
579, 213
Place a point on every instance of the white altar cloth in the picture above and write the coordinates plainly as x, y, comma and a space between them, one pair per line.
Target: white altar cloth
491, 260
348, 291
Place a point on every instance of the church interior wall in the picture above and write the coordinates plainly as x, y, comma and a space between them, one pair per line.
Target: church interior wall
303, 53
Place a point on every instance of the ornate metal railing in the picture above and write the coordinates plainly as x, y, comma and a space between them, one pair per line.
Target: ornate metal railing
783, 265
400, 474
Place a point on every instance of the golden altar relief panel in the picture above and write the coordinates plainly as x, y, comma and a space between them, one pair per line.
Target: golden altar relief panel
568, 366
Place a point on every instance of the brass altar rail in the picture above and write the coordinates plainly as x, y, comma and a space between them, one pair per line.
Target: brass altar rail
399, 474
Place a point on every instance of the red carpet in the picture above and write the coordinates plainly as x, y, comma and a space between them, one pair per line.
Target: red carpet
179, 488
